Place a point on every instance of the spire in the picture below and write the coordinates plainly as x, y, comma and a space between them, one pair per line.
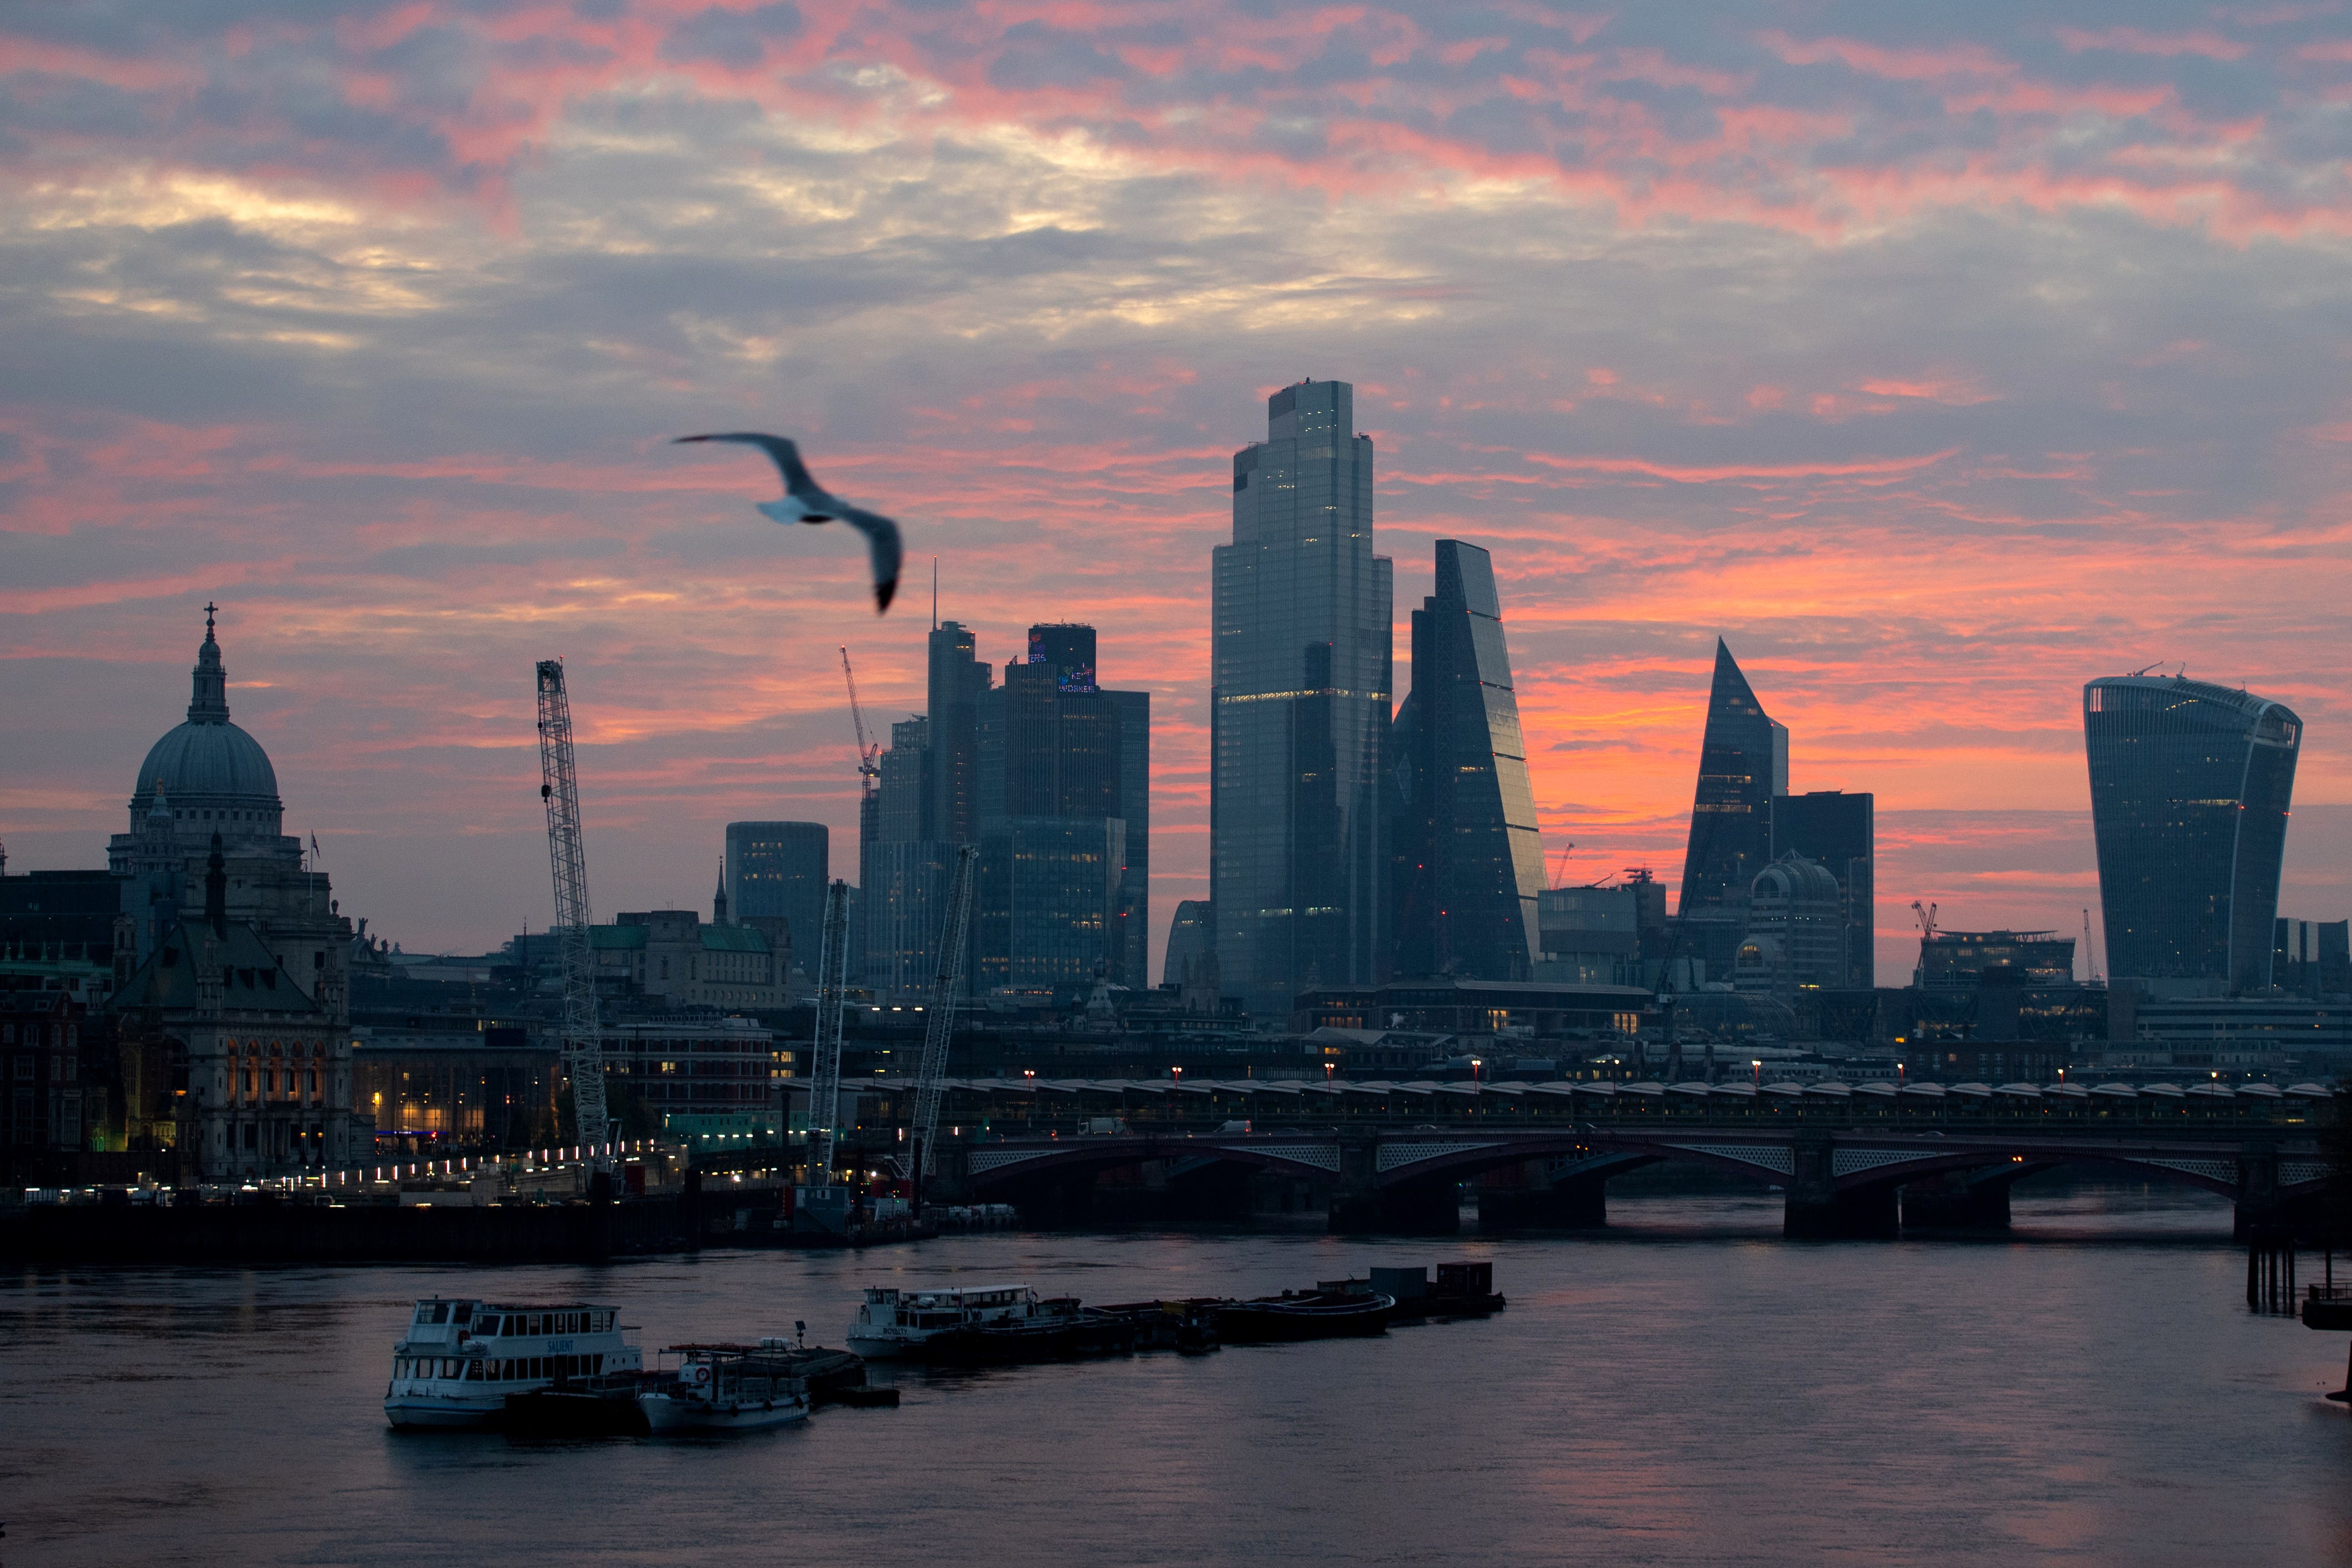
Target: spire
718, 899
209, 705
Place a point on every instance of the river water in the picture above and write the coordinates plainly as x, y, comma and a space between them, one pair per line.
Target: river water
1684, 1388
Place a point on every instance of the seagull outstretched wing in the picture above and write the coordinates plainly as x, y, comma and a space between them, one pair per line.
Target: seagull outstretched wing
815, 504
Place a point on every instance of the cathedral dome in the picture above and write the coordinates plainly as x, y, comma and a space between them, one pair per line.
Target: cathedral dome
203, 760
208, 765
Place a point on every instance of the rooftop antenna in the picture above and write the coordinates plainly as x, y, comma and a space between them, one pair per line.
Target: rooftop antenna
935, 593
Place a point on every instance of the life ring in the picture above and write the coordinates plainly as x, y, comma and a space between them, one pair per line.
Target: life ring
702, 1374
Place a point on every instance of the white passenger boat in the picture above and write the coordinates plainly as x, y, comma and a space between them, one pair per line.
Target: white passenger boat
725, 1388
892, 1322
461, 1358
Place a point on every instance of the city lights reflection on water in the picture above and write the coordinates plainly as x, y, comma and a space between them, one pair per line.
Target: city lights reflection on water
1686, 1388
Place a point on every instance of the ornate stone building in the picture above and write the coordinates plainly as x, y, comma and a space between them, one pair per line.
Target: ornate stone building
233, 959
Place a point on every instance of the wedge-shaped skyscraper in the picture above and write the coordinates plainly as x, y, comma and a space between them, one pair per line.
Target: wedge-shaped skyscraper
1743, 762
1468, 859
2190, 790
1300, 700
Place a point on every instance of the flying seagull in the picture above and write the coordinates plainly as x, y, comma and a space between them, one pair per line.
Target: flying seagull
805, 502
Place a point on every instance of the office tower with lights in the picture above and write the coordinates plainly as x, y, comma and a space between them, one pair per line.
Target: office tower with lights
779, 869
1299, 704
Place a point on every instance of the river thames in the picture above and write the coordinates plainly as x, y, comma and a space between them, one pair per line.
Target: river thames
1684, 1388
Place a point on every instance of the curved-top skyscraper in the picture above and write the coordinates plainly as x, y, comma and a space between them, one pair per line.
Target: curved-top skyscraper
2190, 790
1300, 700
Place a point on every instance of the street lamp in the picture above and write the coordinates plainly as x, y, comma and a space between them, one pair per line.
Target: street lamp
1756, 1065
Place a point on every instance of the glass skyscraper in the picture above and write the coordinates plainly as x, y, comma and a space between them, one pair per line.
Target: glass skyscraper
1743, 762
779, 869
1300, 701
1838, 830
1469, 862
2190, 790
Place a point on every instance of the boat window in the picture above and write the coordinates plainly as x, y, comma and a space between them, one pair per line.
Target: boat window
490, 1327
449, 1367
400, 1366
538, 1367
440, 1311
599, 1365
465, 1313
473, 1372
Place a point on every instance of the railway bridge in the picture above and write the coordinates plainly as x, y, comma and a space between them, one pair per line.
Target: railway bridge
1846, 1177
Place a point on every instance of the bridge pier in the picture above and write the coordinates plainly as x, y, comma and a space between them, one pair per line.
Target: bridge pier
1360, 1205
1580, 1203
1953, 1202
1817, 1210
2259, 1207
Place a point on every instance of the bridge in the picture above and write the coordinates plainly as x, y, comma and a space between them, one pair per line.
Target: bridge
1850, 1162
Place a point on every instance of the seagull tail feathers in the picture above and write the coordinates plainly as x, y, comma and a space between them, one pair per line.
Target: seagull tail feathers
882, 593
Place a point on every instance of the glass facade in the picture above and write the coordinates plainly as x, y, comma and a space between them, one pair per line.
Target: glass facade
2190, 789
1299, 701
1463, 838
1838, 830
1047, 893
1743, 762
779, 869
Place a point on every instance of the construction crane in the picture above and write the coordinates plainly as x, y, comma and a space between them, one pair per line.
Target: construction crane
1560, 867
869, 752
922, 1160
559, 787
1927, 920
832, 995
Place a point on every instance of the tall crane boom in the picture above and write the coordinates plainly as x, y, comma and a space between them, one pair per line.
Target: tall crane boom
559, 787
869, 752
929, 1084
831, 994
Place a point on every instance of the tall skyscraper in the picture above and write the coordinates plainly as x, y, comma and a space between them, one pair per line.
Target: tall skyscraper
1065, 801
1300, 701
1469, 862
779, 869
957, 680
901, 870
2190, 790
1840, 831
1743, 762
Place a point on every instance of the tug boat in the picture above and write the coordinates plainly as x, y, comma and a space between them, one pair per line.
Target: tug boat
725, 1388
461, 1357
893, 1325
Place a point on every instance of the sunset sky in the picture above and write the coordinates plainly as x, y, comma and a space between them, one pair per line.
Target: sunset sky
1938, 358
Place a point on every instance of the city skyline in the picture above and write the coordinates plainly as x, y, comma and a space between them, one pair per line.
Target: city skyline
1717, 403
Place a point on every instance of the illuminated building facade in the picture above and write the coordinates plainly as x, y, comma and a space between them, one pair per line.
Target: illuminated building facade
1299, 704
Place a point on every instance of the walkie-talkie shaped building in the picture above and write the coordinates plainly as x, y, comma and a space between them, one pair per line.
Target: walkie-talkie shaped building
2190, 790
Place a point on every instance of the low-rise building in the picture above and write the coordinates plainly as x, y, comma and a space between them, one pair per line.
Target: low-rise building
702, 1077
672, 954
